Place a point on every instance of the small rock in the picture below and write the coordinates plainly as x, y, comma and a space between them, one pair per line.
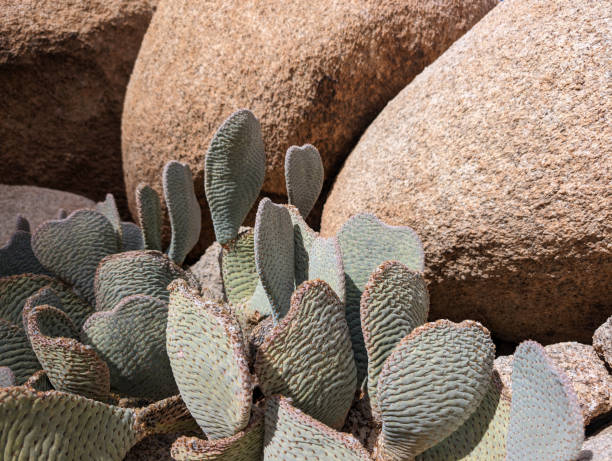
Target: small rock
598, 447
208, 272
602, 341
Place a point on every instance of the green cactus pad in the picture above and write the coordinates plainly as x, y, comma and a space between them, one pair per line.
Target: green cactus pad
143, 272
292, 435
109, 209
132, 238
366, 242
183, 210
81, 428
325, 263
431, 383
16, 353
39, 381
259, 302
15, 290
235, 167
209, 363
22, 224
238, 267
308, 356
482, 437
7, 378
274, 256
17, 257
131, 339
545, 418
71, 248
70, 365
149, 211
246, 445
303, 238
394, 302
303, 177
164, 416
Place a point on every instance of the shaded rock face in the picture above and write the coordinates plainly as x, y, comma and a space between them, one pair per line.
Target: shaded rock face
602, 341
598, 447
312, 72
498, 155
36, 204
64, 67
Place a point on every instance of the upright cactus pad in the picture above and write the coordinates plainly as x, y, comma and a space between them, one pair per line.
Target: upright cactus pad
365, 243
131, 237
325, 263
16, 353
292, 435
235, 166
303, 238
274, 255
394, 302
109, 209
238, 268
183, 209
545, 418
149, 216
17, 257
431, 383
308, 356
303, 177
208, 359
72, 248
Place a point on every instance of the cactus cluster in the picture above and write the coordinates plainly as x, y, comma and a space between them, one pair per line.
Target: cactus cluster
310, 327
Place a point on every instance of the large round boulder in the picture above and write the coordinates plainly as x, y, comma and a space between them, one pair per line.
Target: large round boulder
499, 155
64, 67
312, 71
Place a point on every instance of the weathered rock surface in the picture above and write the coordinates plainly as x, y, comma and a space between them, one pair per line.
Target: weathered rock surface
312, 72
37, 204
602, 341
64, 67
585, 371
597, 447
208, 272
498, 155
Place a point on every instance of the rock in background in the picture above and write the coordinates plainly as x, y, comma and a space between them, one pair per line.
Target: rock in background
498, 155
64, 67
313, 72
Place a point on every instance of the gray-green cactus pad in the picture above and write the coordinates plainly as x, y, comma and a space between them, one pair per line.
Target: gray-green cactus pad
17, 257
56, 426
303, 238
545, 418
238, 267
246, 445
292, 435
183, 210
303, 177
15, 290
7, 377
482, 437
16, 353
431, 383
70, 365
142, 272
149, 216
235, 167
71, 248
274, 256
325, 263
259, 302
366, 242
308, 356
394, 302
109, 209
209, 363
131, 237
39, 381
131, 339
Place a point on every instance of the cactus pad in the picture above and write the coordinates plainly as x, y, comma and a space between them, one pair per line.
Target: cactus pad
394, 302
545, 418
16, 353
292, 435
303, 177
246, 445
303, 238
149, 216
143, 272
70, 366
274, 255
22, 224
72, 248
238, 268
431, 383
131, 339
17, 257
131, 237
366, 242
308, 357
235, 166
7, 378
325, 263
183, 209
109, 209
207, 356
